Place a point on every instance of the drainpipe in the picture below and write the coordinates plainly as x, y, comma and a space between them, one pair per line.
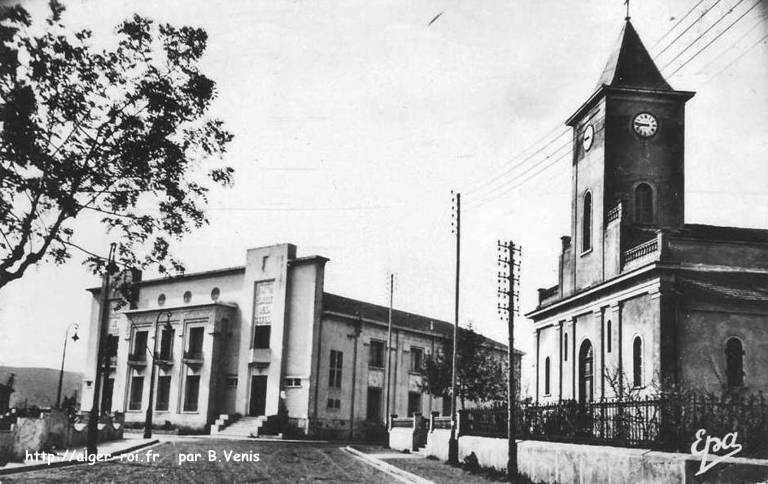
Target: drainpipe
358, 326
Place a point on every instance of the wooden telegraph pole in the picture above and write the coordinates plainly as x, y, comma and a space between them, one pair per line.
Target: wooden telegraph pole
509, 281
453, 442
93, 419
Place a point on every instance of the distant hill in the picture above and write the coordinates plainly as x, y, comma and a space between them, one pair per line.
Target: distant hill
37, 386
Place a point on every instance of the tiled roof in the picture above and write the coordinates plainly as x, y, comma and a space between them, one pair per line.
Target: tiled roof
400, 319
739, 286
720, 232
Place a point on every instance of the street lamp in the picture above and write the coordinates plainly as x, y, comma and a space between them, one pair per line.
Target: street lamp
75, 337
148, 419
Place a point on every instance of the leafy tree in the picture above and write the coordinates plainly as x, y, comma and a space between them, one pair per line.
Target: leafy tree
481, 374
121, 133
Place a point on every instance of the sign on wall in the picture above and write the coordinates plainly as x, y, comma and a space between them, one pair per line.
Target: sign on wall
262, 306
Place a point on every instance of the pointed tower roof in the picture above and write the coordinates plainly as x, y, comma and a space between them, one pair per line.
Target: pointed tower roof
629, 68
630, 65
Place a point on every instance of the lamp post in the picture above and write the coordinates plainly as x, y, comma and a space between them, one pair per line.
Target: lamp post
75, 337
148, 419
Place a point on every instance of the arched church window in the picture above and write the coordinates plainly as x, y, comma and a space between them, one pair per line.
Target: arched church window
546, 376
608, 336
644, 204
734, 362
587, 223
637, 362
586, 372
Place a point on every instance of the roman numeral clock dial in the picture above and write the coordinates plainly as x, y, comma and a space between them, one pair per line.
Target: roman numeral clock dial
645, 125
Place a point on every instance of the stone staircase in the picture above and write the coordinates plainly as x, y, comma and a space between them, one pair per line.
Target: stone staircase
244, 427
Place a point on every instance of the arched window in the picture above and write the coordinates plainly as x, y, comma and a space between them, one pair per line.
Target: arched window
586, 372
587, 223
608, 336
637, 362
734, 363
565, 347
546, 376
644, 204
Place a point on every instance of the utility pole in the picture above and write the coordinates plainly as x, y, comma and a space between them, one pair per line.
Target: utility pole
93, 420
388, 361
509, 281
453, 442
75, 337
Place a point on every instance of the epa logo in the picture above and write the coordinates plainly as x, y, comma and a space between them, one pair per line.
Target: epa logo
714, 445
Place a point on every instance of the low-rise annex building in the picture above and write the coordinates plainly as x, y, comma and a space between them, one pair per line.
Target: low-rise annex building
242, 340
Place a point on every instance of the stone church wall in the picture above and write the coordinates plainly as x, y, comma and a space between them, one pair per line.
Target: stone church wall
704, 330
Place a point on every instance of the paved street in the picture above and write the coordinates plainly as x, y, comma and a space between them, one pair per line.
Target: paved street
278, 462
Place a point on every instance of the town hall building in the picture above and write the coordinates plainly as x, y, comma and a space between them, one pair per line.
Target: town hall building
644, 300
250, 340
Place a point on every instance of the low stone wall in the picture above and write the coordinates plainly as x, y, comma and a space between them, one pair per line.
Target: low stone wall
52, 431
401, 438
437, 443
555, 462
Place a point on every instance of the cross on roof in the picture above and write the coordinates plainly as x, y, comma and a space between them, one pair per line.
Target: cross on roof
626, 2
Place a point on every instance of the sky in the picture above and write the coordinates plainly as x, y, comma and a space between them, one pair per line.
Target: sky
353, 122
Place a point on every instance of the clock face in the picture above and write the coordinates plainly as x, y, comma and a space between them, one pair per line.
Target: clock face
645, 125
588, 137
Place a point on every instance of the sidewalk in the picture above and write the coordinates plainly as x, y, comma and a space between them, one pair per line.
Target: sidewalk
428, 469
75, 456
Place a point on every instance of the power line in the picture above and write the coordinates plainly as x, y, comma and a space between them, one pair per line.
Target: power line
496, 178
520, 163
532, 145
495, 189
717, 37
658, 41
735, 43
687, 29
734, 61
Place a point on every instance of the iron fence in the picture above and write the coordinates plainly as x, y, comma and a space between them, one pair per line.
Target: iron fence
662, 423
441, 423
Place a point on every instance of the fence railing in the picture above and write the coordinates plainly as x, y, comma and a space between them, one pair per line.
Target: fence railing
402, 422
443, 423
662, 423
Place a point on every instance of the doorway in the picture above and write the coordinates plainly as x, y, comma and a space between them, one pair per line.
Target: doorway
258, 395
585, 372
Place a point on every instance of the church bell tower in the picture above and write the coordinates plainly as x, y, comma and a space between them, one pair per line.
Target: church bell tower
628, 157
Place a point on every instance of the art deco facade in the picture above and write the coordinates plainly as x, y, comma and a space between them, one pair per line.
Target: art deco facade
241, 340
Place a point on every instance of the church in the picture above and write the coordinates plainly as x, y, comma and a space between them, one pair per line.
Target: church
644, 300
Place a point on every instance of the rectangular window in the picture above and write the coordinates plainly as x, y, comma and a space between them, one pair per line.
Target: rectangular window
376, 354
261, 336
191, 392
417, 360
139, 352
414, 403
195, 350
292, 382
231, 381
163, 392
137, 390
373, 413
166, 344
334, 403
334, 379
446, 406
